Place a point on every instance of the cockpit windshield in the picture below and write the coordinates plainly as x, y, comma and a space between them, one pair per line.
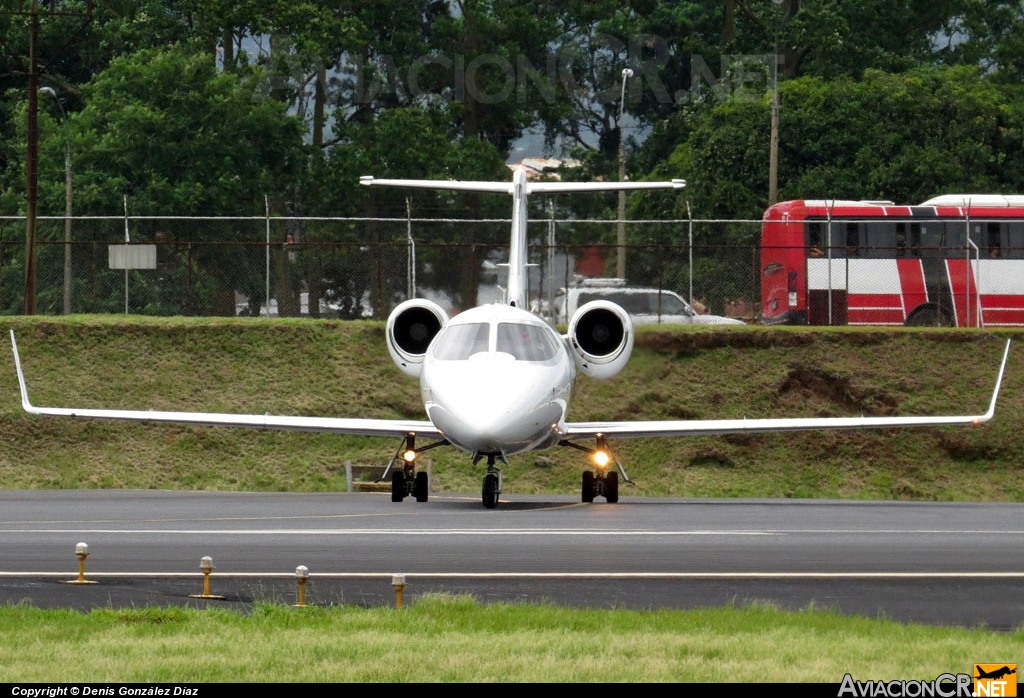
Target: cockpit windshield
459, 342
524, 341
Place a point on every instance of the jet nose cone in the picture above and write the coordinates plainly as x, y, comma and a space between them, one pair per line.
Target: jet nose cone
499, 405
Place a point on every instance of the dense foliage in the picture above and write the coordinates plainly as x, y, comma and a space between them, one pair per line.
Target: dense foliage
217, 108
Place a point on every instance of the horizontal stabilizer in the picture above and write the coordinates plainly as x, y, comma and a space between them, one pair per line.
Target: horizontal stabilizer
531, 187
453, 185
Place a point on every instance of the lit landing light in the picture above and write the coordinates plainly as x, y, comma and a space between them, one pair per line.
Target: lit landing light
601, 457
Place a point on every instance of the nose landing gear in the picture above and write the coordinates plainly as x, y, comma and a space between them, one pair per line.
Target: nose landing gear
405, 480
492, 483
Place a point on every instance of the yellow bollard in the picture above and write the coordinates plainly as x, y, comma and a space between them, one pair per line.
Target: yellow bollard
82, 552
398, 582
301, 576
206, 565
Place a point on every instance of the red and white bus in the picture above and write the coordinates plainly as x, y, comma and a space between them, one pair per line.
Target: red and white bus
954, 261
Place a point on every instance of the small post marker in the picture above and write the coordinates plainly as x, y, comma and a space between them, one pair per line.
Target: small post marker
398, 582
206, 565
81, 552
301, 576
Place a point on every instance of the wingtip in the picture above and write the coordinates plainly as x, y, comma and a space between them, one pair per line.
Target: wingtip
25, 403
999, 383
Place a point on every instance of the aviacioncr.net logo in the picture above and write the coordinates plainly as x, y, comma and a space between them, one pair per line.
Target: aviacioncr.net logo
944, 686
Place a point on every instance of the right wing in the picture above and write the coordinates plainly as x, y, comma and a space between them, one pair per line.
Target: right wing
334, 425
684, 427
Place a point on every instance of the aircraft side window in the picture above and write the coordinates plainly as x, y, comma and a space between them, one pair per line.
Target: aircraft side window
459, 342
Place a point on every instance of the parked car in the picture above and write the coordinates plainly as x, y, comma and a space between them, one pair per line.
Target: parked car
644, 305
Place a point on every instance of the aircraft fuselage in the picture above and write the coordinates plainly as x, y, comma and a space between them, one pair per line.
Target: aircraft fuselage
498, 380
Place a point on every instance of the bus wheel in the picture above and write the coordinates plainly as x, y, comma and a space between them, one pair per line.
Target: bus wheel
929, 315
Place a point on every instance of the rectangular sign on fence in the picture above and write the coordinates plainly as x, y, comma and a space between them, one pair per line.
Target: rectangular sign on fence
132, 256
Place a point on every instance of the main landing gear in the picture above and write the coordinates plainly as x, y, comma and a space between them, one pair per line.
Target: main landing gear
405, 481
601, 482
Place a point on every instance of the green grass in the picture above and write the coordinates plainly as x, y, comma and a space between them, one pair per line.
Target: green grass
342, 369
455, 639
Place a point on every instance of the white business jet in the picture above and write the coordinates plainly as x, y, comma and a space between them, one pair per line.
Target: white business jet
497, 380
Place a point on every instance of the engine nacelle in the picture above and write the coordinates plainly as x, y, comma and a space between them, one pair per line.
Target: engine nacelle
411, 328
601, 338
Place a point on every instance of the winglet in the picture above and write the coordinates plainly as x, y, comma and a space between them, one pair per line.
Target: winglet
995, 392
25, 404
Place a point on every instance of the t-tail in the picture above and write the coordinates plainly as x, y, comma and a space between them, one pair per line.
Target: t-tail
520, 188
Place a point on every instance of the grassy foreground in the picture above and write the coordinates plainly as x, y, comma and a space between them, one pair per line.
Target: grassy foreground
454, 639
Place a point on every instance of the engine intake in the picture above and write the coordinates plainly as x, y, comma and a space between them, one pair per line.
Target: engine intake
601, 338
411, 328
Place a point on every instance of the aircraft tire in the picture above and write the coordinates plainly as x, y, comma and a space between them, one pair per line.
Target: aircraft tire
397, 486
421, 487
490, 491
611, 488
588, 487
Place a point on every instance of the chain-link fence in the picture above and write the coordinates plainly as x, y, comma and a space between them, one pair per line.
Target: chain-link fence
356, 267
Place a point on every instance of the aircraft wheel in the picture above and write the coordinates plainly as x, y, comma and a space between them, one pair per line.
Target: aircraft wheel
421, 486
490, 491
611, 487
397, 486
588, 486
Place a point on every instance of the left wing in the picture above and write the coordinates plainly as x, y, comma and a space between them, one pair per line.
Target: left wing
358, 427
734, 426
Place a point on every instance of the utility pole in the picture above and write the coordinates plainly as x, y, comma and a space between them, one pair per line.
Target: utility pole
30, 9
32, 155
49, 91
773, 144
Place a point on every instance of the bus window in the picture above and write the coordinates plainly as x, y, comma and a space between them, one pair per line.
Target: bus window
1014, 247
815, 240
901, 239
852, 240
880, 240
929, 239
993, 240
955, 238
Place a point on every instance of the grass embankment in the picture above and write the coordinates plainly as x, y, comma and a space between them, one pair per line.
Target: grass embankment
343, 369
454, 639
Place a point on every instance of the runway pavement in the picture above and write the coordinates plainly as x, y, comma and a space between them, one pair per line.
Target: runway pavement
938, 563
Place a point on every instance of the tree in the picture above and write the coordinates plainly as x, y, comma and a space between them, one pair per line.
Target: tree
416, 143
178, 137
905, 137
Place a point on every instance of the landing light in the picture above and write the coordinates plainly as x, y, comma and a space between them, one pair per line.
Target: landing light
601, 459
409, 456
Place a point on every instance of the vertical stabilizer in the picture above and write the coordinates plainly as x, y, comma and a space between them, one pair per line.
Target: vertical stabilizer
520, 188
